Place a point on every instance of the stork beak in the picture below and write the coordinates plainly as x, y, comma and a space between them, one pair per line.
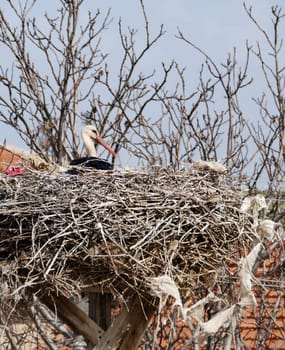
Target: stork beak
105, 145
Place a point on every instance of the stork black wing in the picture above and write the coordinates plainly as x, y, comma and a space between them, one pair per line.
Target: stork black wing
92, 162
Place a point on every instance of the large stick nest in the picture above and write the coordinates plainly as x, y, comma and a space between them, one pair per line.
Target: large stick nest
116, 229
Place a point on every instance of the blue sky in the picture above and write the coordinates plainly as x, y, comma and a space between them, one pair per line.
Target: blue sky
214, 25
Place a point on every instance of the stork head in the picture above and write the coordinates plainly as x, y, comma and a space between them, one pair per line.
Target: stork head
89, 135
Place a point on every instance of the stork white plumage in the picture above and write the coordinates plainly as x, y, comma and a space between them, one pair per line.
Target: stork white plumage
89, 136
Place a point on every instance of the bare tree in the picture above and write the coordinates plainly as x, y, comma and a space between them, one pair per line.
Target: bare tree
43, 96
268, 132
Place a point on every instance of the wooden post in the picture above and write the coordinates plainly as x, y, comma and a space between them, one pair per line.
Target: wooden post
128, 328
100, 309
124, 333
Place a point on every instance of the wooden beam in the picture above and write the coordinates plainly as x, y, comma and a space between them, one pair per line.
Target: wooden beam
100, 309
128, 328
72, 315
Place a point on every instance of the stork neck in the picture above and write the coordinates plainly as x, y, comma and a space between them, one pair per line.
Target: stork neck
90, 147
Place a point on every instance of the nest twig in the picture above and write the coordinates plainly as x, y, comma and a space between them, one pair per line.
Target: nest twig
116, 229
